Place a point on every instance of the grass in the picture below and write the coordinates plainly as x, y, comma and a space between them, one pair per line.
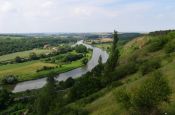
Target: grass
104, 46
22, 54
27, 70
106, 104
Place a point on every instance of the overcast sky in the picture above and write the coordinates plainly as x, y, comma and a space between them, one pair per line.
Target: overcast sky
21, 16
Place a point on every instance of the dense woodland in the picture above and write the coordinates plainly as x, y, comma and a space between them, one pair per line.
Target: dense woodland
10, 45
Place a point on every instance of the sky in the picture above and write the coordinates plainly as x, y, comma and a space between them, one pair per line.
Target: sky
33, 16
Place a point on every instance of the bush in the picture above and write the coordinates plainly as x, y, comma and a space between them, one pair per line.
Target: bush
80, 48
70, 111
73, 57
45, 68
68, 83
18, 59
85, 61
170, 47
83, 87
147, 99
5, 98
157, 44
10, 79
149, 66
124, 70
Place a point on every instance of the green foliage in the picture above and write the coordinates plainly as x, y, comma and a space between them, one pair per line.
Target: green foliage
72, 57
113, 58
10, 79
160, 40
45, 98
33, 56
149, 66
18, 59
84, 87
27, 43
85, 61
80, 48
5, 98
148, 97
157, 44
70, 111
170, 47
68, 83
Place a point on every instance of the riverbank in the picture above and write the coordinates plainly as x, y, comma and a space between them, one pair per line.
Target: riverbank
36, 84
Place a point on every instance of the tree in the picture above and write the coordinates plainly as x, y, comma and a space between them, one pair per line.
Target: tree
18, 59
69, 82
113, 60
148, 97
46, 96
80, 48
100, 60
85, 61
5, 98
115, 40
33, 56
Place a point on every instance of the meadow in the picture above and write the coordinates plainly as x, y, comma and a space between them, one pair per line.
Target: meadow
23, 54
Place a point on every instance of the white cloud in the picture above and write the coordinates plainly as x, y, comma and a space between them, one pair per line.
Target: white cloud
5, 6
82, 15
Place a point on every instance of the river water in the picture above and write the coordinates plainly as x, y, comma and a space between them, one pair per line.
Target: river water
39, 83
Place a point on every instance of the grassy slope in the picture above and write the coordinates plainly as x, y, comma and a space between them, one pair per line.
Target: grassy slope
22, 54
106, 104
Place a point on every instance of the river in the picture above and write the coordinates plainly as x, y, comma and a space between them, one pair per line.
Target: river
75, 73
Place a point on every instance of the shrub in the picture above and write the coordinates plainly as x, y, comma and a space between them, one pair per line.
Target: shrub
84, 87
170, 47
45, 68
18, 59
10, 79
124, 70
85, 61
5, 98
80, 48
157, 44
149, 66
148, 97
73, 57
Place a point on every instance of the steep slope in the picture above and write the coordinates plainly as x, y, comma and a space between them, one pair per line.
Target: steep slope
106, 104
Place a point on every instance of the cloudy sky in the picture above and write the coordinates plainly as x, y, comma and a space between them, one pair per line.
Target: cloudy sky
21, 16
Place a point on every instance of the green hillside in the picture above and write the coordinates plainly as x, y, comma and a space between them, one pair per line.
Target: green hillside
138, 49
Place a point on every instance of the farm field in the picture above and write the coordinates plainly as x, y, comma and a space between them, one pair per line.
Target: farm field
23, 54
28, 70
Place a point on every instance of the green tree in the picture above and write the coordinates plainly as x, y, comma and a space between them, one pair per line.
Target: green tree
45, 98
5, 98
112, 61
85, 61
33, 56
18, 59
80, 48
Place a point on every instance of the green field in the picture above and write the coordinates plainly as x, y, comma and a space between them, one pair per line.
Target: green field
23, 54
27, 70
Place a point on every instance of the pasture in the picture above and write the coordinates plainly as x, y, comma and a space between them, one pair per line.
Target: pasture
23, 54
